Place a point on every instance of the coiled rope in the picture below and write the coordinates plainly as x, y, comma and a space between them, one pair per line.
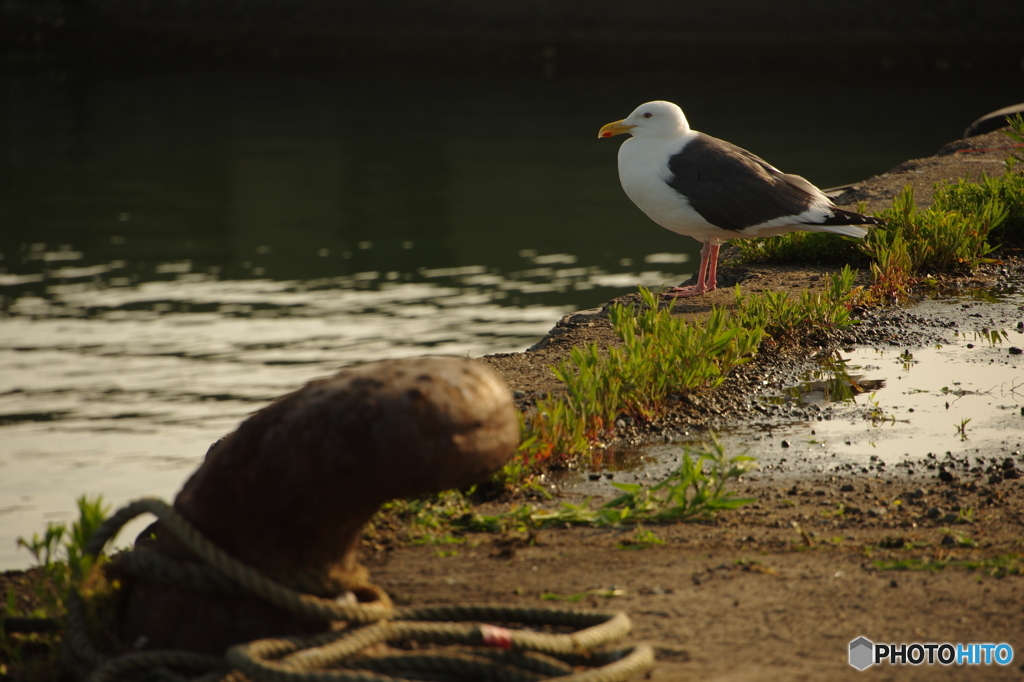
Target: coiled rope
473, 649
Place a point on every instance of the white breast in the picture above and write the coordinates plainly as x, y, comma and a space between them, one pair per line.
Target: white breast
644, 174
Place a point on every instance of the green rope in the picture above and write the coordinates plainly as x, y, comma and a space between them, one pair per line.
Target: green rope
475, 649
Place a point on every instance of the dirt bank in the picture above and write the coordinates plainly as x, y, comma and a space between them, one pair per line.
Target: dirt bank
777, 590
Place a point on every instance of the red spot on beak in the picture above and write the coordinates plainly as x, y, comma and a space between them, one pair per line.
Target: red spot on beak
606, 134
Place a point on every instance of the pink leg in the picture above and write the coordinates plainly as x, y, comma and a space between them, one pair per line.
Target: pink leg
706, 274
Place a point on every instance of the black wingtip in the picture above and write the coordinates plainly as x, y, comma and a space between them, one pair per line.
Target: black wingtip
841, 217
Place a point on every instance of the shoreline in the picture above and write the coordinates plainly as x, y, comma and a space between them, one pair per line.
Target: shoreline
818, 560
529, 376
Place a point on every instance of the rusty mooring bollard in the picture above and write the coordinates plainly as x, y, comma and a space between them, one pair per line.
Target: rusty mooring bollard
290, 489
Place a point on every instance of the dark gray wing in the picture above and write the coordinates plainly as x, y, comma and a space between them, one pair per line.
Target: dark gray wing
733, 189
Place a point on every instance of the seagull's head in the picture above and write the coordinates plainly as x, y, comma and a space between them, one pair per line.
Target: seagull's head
654, 119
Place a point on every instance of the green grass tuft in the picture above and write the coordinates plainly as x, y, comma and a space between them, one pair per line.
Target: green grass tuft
661, 355
813, 248
946, 236
664, 356
972, 198
954, 234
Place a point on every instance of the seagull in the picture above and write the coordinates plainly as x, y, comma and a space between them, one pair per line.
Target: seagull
714, 191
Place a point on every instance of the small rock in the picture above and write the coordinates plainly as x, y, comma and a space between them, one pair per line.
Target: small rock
876, 512
785, 443
917, 494
846, 488
945, 476
594, 477
1015, 351
948, 540
933, 513
949, 518
518, 395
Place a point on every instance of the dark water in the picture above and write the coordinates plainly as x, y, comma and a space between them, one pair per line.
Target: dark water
180, 247
295, 176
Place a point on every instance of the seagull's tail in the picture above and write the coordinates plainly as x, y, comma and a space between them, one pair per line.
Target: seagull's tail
847, 223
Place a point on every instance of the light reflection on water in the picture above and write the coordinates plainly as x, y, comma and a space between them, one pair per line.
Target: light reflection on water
902, 417
915, 401
120, 389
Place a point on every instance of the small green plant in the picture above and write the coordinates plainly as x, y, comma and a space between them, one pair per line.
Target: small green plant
876, 413
960, 539
44, 549
422, 520
997, 566
63, 566
819, 248
60, 552
938, 238
911, 565
969, 197
697, 488
788, 320
642, 539
961, 428
953, 234
660, 355
891, 270
1015, 133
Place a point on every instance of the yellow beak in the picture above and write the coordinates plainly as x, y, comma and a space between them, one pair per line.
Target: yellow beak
613, 129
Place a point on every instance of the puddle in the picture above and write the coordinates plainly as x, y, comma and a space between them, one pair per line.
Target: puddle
879, 413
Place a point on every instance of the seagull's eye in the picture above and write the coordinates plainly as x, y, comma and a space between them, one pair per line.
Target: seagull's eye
648, 114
